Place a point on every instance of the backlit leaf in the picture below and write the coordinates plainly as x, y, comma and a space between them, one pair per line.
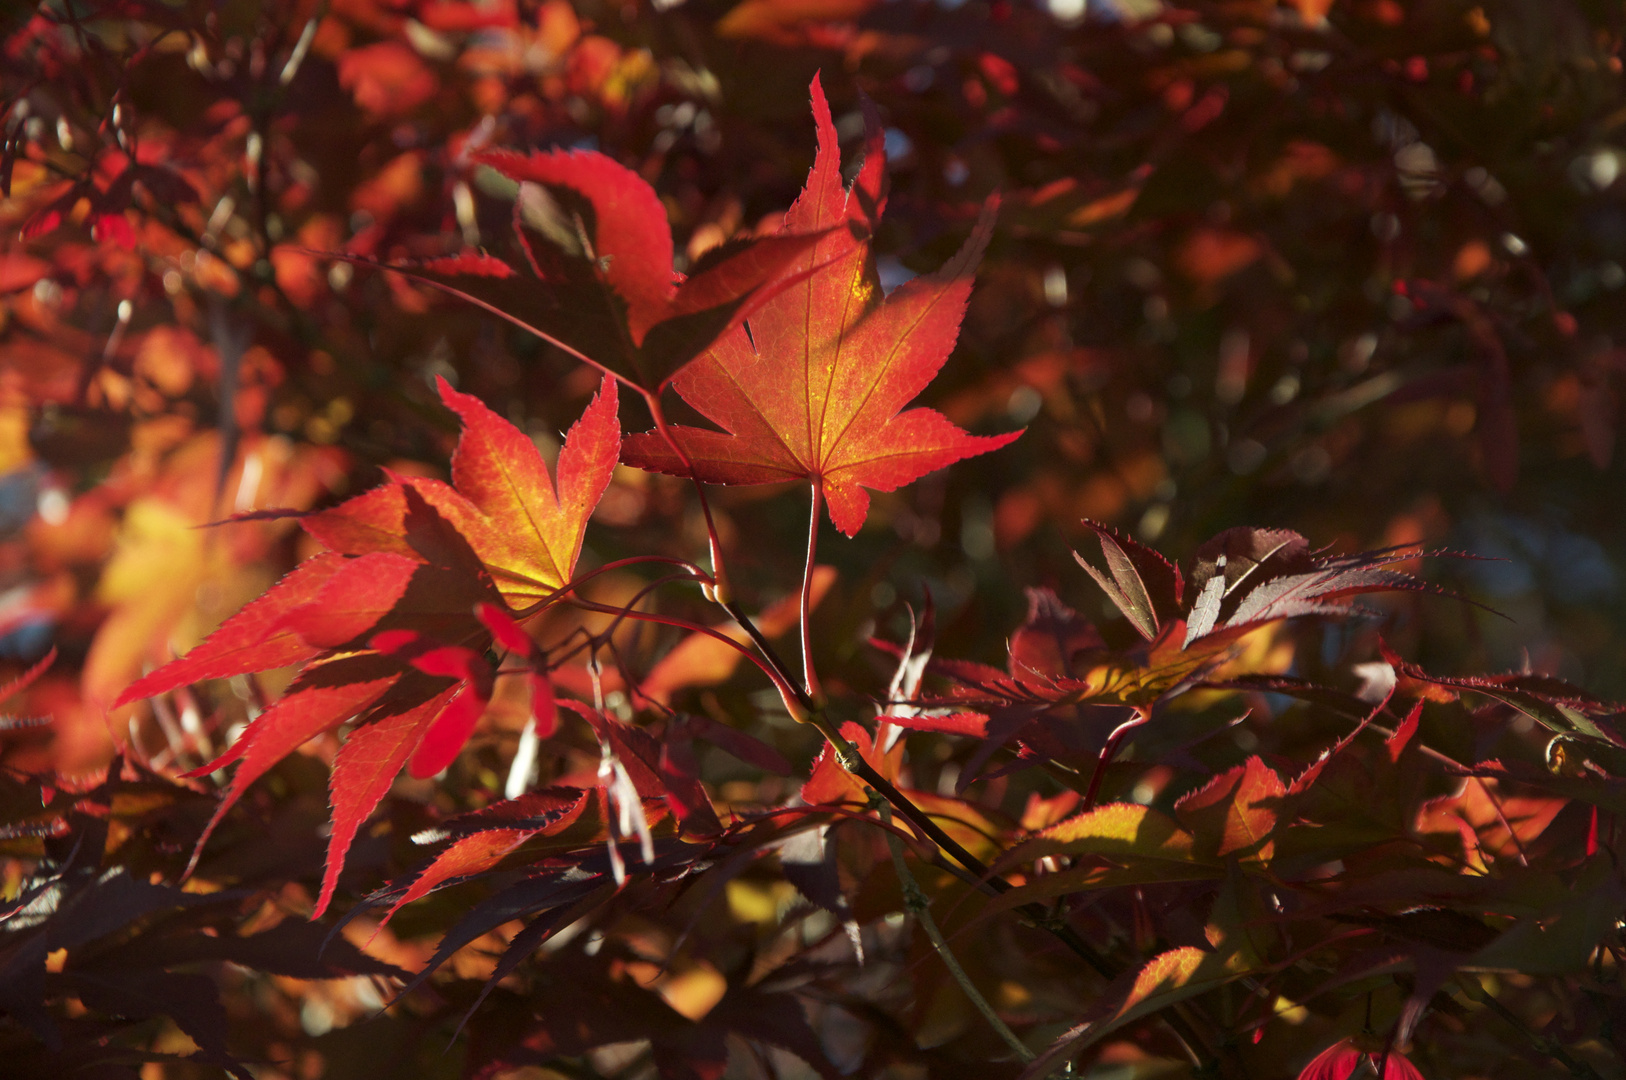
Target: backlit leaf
1142, 584
526, 528
815, 389
400, 590
1236, 811
368, 764
254, 639
1167, 978
325, 696
1123, 829
494, 832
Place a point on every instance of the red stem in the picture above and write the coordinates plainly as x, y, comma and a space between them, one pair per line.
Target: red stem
790, 693
719, 578
627, 609
810, 677
636, 559
1107, 753
454, 291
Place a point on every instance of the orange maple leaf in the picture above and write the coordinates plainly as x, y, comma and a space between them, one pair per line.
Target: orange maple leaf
385, 621
814, 384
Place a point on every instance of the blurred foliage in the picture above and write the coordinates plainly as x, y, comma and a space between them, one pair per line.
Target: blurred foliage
1355, 268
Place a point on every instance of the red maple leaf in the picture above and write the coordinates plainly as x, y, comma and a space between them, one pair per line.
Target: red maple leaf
387, 623
597, 277
451, 728
816, 387
1343, 1060
482, 838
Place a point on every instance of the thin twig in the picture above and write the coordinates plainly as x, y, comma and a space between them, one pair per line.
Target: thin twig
915, 900
1541, 1043
807, 706
787, 690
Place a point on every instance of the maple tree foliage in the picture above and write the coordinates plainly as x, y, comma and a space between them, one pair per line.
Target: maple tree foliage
607, 284
813, 386
388, 633
1209, 614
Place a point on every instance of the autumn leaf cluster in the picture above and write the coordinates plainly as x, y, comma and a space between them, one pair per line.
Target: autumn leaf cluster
842, 538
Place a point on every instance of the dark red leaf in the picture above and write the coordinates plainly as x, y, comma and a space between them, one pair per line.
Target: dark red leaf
1051, 638
1142, 584
1340, 1061
748, 748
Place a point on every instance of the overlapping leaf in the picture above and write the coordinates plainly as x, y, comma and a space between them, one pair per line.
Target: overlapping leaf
92, 953
522, 526
1109, 846
1557, 705
597, 276
388, 622
1164, 980
1241, 579
814, 386
1235, 813
484, 837
1245, 577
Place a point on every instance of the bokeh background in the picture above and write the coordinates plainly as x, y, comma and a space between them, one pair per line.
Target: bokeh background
1351, 267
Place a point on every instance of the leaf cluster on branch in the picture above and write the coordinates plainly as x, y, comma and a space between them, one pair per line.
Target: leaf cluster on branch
417, 535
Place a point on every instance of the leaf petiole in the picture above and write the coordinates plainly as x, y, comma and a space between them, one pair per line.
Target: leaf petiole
718, 589
1109, 750
810, 677
791, 694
